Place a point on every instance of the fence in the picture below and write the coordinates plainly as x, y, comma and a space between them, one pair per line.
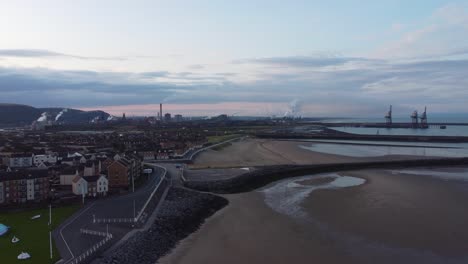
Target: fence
85, 256
151, 195
113, 220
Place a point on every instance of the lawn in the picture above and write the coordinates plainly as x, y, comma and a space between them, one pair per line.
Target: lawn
33, 234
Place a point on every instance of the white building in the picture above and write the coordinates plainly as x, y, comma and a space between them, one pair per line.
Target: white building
92, 186
30, 189
79, 186
38, 159
20, 160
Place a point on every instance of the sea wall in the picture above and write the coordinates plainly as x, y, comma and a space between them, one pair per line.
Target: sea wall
265, 175
182, 213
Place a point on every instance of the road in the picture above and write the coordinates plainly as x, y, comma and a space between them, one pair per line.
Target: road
71, 243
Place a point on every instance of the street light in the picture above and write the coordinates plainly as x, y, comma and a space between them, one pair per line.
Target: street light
50, 232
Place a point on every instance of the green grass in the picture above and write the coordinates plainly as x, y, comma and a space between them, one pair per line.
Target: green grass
33, 234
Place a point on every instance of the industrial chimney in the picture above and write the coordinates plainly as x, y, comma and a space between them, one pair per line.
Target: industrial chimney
160, 112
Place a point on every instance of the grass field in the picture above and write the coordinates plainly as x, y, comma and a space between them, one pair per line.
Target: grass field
33, 234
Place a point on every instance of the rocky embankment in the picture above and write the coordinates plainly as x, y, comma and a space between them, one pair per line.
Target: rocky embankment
265, 175
182, 213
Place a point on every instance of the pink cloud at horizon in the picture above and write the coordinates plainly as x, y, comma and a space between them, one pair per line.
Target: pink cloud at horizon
229, 108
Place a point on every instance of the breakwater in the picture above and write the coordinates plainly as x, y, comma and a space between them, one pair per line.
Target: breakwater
265, 175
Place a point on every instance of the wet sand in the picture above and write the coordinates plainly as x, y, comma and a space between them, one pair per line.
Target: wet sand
392, 218
248, 231
399, 211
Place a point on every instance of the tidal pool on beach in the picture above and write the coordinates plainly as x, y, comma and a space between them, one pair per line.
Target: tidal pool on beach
285, 196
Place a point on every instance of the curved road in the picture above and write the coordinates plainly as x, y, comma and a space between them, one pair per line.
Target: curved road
70, 243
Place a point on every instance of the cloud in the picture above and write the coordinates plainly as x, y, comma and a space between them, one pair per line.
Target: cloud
362, 87
443, 34
154, 74
301, 61
196, 67
39, 53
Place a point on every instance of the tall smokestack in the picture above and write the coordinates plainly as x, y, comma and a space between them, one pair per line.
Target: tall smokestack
160, 112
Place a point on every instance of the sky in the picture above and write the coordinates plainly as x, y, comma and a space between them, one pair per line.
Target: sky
309, 58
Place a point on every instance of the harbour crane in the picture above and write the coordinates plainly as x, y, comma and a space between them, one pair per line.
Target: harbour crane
414, 119
424, 118
388, 117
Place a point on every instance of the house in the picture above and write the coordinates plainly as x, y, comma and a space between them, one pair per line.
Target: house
83, 160
92, 168
118, 174
68, 174
38, 159
71, 161
98, 185
147, 154
162, 155
121, 172
79, 186
17, 160
21, 186
92, 186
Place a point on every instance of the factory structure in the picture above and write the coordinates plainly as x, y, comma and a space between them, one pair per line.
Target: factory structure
167, 117
417, 121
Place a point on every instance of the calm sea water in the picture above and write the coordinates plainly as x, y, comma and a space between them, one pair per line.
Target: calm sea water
449, 131
375, 149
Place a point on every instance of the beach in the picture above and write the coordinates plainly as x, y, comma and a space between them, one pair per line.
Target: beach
262, 152
387, 216
248, 231
391, 218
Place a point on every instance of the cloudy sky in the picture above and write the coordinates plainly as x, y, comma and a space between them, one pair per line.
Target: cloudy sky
200, 57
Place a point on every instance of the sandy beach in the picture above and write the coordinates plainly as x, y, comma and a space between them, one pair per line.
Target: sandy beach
392, 218
248, 231
260, 152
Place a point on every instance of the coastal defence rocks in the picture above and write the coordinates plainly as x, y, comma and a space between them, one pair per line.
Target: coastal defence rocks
265, 175
182, 213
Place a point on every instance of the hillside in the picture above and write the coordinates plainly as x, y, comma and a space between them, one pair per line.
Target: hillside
15, 114
18, 115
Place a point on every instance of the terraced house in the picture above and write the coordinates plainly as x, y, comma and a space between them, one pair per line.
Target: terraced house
123, 170
17, 187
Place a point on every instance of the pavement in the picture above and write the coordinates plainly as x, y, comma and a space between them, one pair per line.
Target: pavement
71, 243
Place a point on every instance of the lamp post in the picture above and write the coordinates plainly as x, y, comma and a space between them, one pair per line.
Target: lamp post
50, 231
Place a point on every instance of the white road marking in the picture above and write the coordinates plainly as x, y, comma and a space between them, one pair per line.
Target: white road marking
63, 227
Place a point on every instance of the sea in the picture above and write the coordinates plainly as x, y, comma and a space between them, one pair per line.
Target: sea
451, 130
360, 148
